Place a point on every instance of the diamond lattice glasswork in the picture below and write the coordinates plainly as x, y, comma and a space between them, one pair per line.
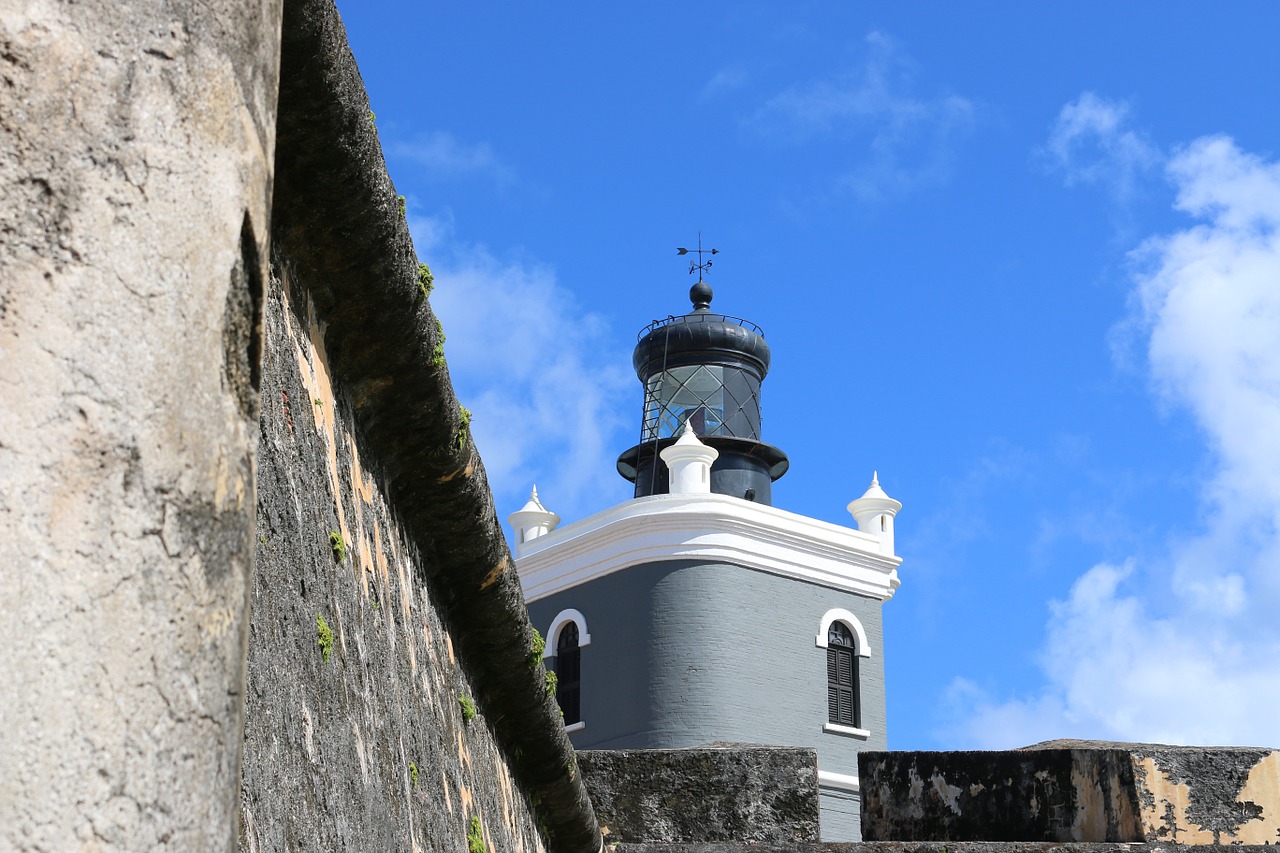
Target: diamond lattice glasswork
717, 400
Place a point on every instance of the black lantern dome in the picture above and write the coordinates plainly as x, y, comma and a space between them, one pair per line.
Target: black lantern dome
706, 369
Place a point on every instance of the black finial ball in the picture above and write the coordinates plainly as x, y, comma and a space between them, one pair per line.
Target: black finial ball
700, 295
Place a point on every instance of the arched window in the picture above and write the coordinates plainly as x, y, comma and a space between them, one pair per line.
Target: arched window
569, 673
842, 677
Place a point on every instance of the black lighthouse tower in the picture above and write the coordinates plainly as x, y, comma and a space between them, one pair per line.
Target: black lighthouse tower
704, 369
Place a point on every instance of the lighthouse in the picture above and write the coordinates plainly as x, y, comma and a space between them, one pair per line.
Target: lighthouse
697, 611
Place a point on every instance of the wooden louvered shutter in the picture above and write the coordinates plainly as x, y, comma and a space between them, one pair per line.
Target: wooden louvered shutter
842, 678
833, 690
569, 674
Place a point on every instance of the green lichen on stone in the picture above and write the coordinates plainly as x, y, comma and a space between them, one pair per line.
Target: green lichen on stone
537, 649
426, 281
372, 118
468, 707
400, 205
413, 774
464, 421
552, 682
437, 353
324, 637
475, 837
338, 547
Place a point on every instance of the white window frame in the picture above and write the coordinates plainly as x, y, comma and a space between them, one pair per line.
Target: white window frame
863, 650
564, 617
839, 614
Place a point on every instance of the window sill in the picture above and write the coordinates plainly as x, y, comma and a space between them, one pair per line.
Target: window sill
839, 781
575, 727
850, 731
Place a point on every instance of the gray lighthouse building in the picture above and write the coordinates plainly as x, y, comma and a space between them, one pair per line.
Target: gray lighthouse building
699, 612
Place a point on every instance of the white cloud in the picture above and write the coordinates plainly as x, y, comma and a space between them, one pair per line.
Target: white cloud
900, 140
1091, 143
724, 80
527, 360
1185, 648
443, 155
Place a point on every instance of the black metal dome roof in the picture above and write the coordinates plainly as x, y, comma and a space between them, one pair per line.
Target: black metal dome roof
700, 337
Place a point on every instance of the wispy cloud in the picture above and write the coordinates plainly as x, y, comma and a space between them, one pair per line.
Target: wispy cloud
724, 80
526, 359
442, 155
1185, 647
898, 139
1092, 142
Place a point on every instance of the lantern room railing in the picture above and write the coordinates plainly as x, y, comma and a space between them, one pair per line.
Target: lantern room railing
707, 317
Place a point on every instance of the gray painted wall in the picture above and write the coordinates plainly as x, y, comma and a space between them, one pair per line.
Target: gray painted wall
686, 653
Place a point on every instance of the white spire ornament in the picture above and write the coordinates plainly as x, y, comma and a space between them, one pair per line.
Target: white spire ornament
689, 462
874, 512
532, 520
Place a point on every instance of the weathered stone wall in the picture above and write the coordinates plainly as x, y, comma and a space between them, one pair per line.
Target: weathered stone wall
1205, 795
375, 516
138, 159
1074, 791
928, 847
1034, 795
357, 740
136, 153
731, 793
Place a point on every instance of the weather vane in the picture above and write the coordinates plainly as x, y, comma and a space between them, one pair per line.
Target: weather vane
699, 265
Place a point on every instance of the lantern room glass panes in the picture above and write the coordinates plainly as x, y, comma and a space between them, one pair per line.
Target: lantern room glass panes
717, 400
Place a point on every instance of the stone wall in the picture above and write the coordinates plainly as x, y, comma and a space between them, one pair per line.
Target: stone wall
155, 156
375, 516
925, 847
136, 152
356, 735
727, 792
1081, 791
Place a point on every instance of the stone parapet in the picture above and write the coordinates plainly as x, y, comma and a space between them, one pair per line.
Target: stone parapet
923, 847
742, 794
1082, 791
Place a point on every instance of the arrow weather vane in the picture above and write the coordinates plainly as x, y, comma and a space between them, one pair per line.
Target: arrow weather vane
699, 265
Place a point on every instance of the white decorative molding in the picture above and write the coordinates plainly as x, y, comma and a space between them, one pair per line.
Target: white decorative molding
689, 463
564, 617
842, 781
714, 528
839, 614
532, 520
837, 729
575, 727
874, 512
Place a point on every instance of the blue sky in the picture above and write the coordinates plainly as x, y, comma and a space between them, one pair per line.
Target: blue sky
1023, 260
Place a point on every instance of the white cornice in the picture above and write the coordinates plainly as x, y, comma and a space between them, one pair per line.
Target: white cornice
718, 528
842, 781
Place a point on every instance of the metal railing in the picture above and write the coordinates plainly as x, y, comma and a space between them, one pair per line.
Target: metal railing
699, 318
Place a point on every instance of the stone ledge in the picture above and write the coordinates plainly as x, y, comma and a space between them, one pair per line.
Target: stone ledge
716, 793
931, 847
1074, 791
338, 221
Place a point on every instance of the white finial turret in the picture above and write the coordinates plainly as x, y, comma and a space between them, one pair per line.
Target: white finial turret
532, 520
874, 513
689, 461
